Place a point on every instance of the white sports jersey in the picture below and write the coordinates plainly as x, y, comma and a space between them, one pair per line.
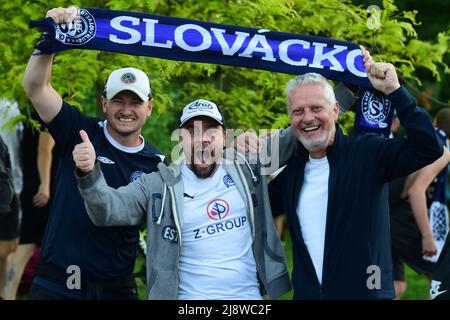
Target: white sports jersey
216, 260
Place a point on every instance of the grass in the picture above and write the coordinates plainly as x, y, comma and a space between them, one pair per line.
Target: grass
418, 286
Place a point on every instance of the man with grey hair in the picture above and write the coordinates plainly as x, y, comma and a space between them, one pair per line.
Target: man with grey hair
295, 88
334, 192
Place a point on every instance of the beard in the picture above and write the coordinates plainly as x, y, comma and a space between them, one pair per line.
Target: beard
198, 161
316, 144
203, 173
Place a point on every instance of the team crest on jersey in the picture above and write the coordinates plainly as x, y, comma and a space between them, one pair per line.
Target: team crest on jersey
136, 175
217, 209
228, 181
375, 108
79, 33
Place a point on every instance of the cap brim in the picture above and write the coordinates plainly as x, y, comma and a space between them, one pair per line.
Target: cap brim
113, 92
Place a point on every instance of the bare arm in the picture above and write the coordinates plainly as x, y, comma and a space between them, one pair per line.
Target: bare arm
44, 164
417, 198
36, 83
36, 79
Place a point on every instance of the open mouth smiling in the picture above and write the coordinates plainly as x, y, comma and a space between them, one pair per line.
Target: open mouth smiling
310, 129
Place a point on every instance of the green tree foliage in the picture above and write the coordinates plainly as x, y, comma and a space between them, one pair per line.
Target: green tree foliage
250, 98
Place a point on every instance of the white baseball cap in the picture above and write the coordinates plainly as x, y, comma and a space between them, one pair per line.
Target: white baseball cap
128, 79
204, 108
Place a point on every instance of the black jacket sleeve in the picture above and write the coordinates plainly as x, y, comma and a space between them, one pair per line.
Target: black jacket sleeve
401, 156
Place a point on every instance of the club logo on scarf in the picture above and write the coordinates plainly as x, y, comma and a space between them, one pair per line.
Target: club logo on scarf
217, 209
375, 108
79, 33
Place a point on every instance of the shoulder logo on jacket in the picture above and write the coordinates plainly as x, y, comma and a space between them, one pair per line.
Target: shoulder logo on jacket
170, 233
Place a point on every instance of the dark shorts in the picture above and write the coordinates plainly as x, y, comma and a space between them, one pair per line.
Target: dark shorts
9, 223
407, 246
34, 220
398, 268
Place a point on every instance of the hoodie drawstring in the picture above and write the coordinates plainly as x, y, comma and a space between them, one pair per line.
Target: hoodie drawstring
254, 178
162, 204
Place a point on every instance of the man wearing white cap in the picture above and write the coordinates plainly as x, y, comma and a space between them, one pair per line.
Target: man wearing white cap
78, 259
210, 229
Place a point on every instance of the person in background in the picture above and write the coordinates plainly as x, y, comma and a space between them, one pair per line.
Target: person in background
37, 163
413, 201
10, 217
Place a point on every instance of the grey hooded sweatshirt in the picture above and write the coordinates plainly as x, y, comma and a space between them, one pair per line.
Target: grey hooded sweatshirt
158, 198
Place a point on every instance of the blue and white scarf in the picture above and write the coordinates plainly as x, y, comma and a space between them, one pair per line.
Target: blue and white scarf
191, 40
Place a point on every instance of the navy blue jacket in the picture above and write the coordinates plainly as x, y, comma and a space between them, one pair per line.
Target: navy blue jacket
357, 229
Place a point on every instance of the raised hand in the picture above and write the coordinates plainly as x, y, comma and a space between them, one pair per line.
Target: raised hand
382, 75
63, 15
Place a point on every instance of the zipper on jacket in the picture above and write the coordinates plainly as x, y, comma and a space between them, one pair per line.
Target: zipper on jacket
249, 199
178, 226
248, 194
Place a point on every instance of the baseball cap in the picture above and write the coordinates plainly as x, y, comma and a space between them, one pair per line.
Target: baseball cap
204, 108
128, 79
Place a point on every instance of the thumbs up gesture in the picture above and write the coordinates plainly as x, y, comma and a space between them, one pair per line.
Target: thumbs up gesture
84, 154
